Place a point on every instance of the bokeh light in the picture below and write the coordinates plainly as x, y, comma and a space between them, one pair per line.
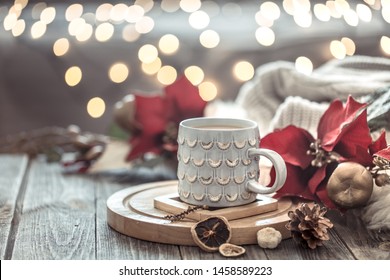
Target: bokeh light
104, 32
10, 21
338, 49
349, 45
304, 65
73, 76
103, 12
129, 33
209, 39
75, 26
190, 6
38, 29
334, 12
118, 12
85, 33
144, 25
147, 53
303, 19
322, 12
263, 20
73, 11
208, 91
134, 13
48, 15
199, 20
167, 75
96, 107
15, 10
386, 13
170, 6
168, 44
194, 74
152, 67
147, 5
288, 6
342, 6
243, 71
364, 12
118, 72
351, 18
20, 4
385, 44
265, 36
37, 10
270, 10
61, 46
18, 28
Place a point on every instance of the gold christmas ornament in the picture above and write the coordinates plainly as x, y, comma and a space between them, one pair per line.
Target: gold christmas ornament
350, 185
308, 226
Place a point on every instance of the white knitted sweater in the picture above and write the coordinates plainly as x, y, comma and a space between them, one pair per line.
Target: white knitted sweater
275, 82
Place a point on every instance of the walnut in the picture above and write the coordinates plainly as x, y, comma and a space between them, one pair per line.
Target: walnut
269, 238
231, 250
211, 233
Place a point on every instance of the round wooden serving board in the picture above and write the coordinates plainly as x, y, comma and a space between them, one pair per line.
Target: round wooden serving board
131, 212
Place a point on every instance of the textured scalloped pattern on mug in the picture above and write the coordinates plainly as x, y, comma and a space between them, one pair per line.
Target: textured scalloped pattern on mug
222, 163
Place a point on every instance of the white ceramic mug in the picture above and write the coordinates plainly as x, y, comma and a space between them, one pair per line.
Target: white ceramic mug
218, 162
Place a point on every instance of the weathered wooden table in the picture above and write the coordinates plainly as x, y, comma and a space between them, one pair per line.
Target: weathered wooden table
45, 214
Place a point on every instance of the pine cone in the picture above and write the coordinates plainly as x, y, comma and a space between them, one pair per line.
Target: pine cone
308, 226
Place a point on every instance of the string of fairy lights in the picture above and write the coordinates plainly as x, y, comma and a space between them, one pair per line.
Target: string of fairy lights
136, 19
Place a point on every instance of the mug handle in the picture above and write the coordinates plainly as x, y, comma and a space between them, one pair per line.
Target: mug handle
280, 169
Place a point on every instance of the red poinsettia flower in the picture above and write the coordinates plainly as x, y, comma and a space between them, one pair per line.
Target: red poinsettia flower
342, 135
156, 116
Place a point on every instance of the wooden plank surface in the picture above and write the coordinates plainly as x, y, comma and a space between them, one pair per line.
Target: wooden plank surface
113, 245
12, 171
363, 244
334, 249
58, 216
47, 215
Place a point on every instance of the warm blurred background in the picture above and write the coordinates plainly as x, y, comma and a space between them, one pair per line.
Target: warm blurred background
68, 62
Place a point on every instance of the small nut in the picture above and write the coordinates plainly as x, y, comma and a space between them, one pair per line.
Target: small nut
269, 238
231, 250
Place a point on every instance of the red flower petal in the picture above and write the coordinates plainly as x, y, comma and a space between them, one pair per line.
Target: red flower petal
379, 144
150, 113
150, 117
142, 144
291, 143
296, 183
354, 140
316, 179
385, 153
183, 101
335, 119
322, 194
